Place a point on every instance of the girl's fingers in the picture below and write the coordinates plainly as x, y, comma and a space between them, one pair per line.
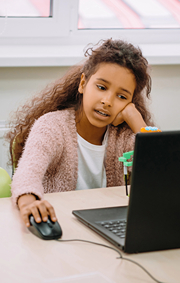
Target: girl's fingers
27, 211
25, 218
51, 211
40, 210
118, 120
35, 213
43, 210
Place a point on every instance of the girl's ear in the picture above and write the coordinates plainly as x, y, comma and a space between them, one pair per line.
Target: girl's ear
82, 83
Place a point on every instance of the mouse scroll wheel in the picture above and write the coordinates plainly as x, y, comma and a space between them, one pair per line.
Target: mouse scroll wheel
49, 223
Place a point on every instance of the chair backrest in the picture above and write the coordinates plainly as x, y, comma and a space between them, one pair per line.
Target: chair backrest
14, 162
5, 179
5, 184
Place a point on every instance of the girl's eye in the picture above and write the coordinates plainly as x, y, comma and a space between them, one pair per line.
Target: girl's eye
101, 87
121, 96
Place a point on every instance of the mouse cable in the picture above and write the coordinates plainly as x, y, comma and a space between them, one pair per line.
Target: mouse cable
120, 255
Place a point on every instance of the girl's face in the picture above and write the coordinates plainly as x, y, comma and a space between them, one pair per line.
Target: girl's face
107, 93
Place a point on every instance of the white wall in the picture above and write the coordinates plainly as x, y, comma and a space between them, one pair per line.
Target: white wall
165, 102
17, 84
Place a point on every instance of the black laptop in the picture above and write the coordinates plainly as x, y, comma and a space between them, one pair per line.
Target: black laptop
151, 221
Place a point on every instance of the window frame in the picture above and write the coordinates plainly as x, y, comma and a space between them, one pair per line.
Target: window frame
38, 27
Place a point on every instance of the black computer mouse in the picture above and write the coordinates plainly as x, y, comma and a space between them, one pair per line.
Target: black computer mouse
45, 230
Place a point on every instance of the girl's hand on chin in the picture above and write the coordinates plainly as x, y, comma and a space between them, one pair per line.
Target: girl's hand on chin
121, 116
118, 120
132, 117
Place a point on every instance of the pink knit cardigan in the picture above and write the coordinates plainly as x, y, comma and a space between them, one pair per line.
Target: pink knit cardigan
49, 162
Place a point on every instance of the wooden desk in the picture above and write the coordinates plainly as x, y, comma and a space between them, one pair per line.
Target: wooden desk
26, 258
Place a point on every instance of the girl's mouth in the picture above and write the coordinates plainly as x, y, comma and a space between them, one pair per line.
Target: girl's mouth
102, 113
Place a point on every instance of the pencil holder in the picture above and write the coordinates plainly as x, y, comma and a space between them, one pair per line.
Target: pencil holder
126, 156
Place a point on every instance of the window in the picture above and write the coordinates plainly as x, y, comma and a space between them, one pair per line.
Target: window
26, 8
138, 14
140, 21
34, 18
54, 32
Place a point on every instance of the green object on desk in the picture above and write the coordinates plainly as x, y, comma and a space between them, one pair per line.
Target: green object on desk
124, 158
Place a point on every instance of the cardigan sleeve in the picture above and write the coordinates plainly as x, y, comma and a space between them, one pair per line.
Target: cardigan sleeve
39, 151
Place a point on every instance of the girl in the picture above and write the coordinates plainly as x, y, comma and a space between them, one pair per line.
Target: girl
71, 135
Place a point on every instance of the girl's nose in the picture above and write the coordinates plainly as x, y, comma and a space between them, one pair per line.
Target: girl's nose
107, 100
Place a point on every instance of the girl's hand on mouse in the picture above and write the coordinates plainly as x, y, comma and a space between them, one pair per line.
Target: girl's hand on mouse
132, 117
40, 209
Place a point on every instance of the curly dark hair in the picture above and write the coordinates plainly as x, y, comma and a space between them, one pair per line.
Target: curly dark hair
63, 93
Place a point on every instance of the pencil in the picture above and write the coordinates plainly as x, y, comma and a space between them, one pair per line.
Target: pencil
125, 176
126, 184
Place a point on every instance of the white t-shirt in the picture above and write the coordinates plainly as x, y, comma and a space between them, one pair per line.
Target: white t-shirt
91, 169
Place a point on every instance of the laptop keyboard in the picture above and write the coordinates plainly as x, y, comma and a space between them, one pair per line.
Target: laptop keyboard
117, 227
